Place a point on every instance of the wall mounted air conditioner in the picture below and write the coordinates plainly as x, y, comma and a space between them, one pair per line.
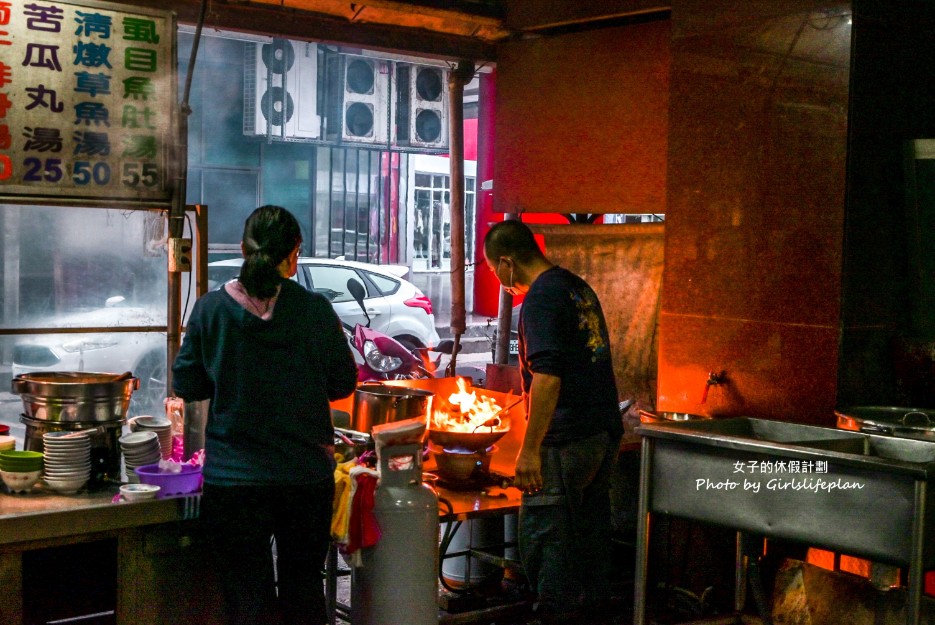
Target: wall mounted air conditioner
421, 106
365, 100
281, 90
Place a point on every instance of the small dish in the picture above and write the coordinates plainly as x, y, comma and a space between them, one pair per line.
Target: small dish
138, 492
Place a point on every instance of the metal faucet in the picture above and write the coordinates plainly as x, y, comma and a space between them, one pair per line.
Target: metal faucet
714, 379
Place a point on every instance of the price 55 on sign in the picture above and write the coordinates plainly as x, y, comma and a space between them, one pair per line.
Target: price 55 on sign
87, 103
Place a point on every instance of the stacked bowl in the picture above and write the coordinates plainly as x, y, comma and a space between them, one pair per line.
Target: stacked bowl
161, 426
67, 460
139, 449
20, 470
7, 443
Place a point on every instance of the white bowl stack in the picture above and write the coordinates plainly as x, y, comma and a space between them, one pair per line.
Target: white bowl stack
67, 461
161, 426
139, 449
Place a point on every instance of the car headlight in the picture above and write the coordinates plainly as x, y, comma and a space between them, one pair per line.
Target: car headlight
86, 344
380, 361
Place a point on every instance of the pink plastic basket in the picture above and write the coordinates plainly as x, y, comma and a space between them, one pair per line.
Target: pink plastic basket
187, 481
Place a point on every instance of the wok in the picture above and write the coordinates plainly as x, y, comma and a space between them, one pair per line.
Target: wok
465, 441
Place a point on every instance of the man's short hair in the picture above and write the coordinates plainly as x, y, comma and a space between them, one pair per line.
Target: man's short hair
511, 238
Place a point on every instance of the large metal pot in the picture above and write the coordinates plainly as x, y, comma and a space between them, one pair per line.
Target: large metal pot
376, 404
892, 420
75, 395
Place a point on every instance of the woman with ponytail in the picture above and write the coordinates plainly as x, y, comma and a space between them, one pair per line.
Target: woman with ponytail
270, 356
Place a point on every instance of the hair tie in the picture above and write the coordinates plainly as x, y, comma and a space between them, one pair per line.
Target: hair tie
251, 246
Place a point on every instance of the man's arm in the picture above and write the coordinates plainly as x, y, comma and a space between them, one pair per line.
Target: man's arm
543, 397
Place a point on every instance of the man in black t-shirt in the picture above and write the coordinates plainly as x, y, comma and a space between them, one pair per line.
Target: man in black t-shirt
573, 432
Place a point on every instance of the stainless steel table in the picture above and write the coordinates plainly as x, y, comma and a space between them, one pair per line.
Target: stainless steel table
713, 471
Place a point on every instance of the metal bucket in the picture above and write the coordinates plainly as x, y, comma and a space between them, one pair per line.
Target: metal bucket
75, 395
376, 404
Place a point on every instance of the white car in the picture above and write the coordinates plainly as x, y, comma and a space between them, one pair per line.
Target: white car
142, 353
396, 307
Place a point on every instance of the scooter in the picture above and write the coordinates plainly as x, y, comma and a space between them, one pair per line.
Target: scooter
381, 357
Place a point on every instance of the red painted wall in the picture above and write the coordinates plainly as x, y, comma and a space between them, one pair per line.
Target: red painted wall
582, 122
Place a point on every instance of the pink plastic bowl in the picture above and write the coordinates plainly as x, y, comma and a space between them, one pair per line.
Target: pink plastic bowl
188, 481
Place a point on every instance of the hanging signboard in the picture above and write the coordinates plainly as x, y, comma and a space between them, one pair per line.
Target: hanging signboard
87, 104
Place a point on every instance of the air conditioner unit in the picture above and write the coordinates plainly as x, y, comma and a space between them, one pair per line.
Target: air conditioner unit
421, 106
281, 90
365, 100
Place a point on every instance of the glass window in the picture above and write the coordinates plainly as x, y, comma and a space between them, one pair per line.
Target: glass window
331, 281
66, 266
287, 176
322, 218
231, 195
85, 268
431, 228
357, 204
216, 125
387, 286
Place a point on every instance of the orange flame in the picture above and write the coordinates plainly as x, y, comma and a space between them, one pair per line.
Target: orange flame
468, 412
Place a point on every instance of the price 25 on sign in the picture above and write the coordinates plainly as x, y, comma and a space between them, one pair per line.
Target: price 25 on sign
87, 103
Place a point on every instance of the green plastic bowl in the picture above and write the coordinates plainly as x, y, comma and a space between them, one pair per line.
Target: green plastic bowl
13, 453
20, 461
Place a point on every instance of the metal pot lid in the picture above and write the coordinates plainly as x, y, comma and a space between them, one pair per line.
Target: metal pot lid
895, 418
72, 383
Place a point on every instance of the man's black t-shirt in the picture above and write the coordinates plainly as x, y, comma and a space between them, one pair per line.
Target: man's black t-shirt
562, 332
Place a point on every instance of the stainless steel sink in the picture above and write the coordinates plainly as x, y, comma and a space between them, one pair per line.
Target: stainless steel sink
851, 492
807, 442
903, 449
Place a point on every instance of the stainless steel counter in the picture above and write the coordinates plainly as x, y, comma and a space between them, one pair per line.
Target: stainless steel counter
145, 550
42, 515
856, 493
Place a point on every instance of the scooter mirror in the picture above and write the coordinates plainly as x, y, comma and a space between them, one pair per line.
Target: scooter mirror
356, 289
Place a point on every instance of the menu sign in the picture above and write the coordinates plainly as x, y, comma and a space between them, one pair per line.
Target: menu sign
87, 103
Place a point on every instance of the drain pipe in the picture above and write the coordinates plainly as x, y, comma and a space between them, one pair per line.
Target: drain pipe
177, 213
457, 78
193, 421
